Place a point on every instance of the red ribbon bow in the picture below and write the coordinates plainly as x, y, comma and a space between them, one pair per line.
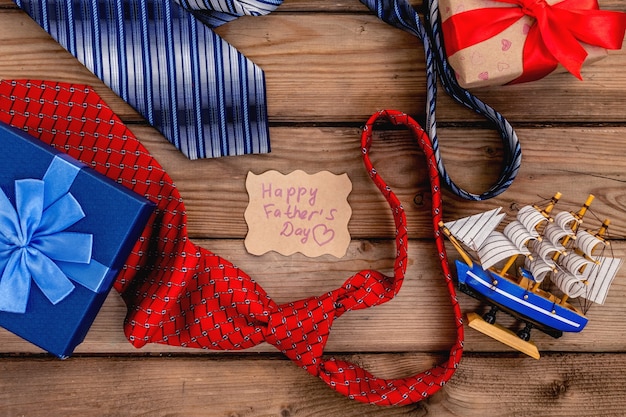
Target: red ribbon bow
555, 36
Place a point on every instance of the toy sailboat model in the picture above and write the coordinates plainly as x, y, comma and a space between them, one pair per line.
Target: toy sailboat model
533, 269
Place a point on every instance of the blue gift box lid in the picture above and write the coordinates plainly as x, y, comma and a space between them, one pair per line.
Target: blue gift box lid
65, 232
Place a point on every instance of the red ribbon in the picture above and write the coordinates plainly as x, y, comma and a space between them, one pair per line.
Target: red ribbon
554, 37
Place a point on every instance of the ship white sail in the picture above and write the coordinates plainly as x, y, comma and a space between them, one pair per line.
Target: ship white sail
551, 248
574, 263
538, 268
531, 218
478, 233
496, 248
571, 285
599, 278
519, 235
546, 251
585, 276
473, 230
554, 233
587, 242
564, 220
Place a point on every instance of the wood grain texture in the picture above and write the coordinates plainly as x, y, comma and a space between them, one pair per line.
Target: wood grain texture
329, 66
558, 385
472, 157
372, 67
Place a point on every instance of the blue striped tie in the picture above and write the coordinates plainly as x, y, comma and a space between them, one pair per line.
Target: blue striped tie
201, 93
401, 14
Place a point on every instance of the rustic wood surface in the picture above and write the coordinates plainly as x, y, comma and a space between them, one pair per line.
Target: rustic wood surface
329, 66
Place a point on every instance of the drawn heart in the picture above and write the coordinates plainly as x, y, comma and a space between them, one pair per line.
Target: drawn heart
502, 66
526, 29
506, 44
483, 76
322, 234
477, 58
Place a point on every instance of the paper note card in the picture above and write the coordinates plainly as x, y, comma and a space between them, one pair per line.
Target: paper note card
298, 212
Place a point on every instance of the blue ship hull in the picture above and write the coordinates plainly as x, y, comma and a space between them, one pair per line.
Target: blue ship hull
521, 302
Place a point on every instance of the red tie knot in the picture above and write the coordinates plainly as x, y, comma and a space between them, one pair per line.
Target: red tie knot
534, 8
300, 329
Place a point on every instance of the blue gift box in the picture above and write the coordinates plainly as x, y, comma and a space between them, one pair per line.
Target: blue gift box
65, 232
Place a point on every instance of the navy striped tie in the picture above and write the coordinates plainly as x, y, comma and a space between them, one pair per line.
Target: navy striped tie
401, 14
164, 60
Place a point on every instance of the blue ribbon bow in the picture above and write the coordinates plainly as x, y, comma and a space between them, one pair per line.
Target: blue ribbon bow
34, 242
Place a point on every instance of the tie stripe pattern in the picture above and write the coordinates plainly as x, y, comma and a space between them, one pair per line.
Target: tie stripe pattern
225, 113
401, 14
180, 294
201, 93
217, 12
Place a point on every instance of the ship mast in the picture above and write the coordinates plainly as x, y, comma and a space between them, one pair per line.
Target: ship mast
546, 213
575, 216
586, 254
457, 245
579, 219
602, 231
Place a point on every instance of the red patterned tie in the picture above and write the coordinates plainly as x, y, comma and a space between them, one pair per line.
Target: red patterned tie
180, 294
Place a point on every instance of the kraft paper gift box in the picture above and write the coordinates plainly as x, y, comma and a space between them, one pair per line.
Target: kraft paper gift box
65, 232
495, 42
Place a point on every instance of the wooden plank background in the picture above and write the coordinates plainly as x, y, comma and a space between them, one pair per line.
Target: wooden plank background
329, 66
